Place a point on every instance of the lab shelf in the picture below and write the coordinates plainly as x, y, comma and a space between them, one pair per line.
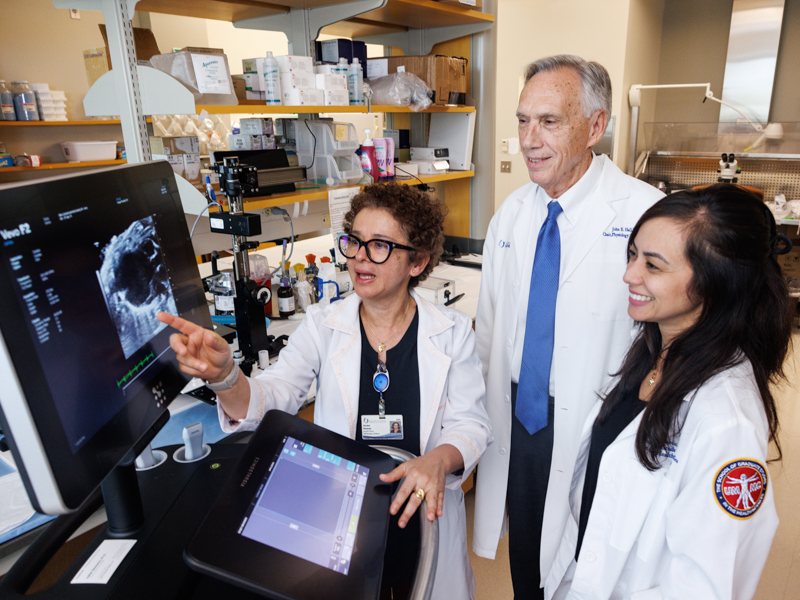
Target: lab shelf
320, 192
258, 107
396, 15
71, 165
60, 123
401, 15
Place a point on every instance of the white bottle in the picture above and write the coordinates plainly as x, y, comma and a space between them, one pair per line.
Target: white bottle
341, 68
327, 272
272, 81
355, 83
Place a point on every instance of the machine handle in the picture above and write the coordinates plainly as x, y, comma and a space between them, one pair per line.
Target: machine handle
422, 587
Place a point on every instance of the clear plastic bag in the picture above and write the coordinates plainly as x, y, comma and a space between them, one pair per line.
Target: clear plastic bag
207, 76
401, 89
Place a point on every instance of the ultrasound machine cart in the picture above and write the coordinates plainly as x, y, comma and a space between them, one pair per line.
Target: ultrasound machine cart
164, 547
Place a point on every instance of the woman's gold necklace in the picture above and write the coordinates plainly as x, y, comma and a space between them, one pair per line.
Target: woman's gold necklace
382, 345
652, 379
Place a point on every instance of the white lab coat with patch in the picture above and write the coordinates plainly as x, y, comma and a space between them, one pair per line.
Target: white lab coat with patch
327, 346
592, 334
664, 534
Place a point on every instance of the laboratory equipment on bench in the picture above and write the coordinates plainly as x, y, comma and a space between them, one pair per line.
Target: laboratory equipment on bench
728, 169
275, 176
250, 297
439, 290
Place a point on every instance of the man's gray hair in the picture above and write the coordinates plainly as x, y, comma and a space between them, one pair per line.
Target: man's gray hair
594, 77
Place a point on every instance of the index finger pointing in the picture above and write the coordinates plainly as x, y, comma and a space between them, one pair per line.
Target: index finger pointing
178, 323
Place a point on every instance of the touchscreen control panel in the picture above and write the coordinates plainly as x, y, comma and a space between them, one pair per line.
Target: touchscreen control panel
308, 505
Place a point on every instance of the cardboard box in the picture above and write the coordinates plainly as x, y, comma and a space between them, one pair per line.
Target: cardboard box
445, 75
291, 63
199, 50
192, 167
257, 126
463, 3
175, 145
790, 263
304, 81
330, 51
298, 97
239, 86
255, 95
253, 82
268, 142
330, 82
245, 141
337, 97
144, 41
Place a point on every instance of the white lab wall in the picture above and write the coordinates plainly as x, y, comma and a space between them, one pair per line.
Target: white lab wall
622, 35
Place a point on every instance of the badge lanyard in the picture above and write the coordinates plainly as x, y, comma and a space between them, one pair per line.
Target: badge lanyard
380, 382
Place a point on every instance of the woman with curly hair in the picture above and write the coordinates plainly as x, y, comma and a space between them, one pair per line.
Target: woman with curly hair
382, 335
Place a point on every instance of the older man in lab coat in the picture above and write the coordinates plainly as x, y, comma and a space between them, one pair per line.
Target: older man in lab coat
549, 342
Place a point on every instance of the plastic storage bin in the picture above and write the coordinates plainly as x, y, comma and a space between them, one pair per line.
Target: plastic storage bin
88, 151
331, 138
332, 158
332, 170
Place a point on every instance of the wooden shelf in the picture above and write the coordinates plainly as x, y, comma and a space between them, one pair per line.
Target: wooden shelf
72, 165
60, 123
400, 15
213, 9
258, 107
320, 192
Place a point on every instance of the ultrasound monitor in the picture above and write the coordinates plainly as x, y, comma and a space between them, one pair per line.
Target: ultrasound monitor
88, 261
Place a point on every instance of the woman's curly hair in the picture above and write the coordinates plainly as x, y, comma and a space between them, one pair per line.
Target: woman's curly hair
420, 216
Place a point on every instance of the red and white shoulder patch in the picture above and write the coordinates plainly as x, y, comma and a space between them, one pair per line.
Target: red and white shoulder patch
740, 487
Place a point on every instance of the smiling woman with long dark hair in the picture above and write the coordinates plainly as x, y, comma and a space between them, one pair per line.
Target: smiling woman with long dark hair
671, 495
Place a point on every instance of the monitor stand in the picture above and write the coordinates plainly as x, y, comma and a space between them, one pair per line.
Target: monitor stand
161, 509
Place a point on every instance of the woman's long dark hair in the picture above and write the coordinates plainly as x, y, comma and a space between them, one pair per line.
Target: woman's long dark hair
746, 314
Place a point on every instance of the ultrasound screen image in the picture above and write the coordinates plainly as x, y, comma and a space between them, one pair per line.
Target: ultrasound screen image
135, 284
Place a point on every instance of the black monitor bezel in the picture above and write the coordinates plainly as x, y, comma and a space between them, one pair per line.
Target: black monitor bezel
74, 476
218, 550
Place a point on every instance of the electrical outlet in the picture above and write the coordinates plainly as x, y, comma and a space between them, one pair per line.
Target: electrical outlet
325, 218
74, 13
505, 166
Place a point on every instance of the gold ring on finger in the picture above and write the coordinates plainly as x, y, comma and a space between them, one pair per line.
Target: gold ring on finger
420, 493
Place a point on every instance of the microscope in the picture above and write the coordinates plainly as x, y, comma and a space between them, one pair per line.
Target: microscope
249, 298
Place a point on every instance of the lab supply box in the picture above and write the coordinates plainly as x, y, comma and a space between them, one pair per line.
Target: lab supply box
207, 76
445, 75
89, 151
175, 145
330, 51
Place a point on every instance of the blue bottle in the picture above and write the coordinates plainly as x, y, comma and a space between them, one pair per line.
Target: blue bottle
6, 103
24, 101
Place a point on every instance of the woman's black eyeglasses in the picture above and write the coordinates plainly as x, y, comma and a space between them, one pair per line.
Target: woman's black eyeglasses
378, 251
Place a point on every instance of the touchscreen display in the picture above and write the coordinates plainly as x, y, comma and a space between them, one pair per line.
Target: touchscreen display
308, 505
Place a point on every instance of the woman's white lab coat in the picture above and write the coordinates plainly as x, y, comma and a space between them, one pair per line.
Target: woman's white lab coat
327, 346
665, 534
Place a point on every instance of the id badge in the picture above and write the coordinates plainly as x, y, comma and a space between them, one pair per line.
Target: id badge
373, 427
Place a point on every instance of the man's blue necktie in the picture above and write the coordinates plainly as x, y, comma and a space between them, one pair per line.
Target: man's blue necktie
533, 391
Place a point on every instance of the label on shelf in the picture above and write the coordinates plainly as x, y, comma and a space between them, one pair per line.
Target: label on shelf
211, 74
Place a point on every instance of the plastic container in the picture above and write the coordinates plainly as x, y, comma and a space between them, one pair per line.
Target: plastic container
6, 103
341, 68
89, 151
355, 83
331, 138
369, 157
272, 81
24, 101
